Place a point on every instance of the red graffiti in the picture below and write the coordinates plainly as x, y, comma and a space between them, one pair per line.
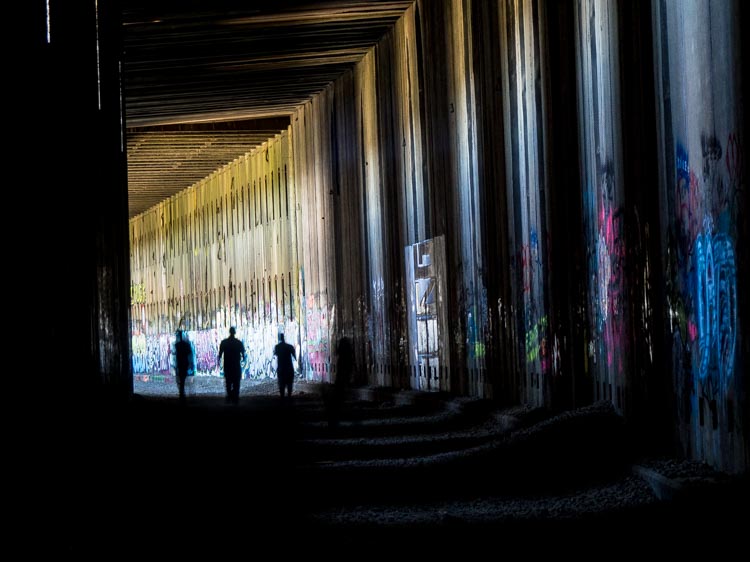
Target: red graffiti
688, 208
611, 278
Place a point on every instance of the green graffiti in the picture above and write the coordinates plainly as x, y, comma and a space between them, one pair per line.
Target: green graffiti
535, 339
137, 293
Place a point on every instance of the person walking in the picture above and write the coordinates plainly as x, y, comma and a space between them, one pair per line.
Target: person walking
184, 363
233, 351
284, 353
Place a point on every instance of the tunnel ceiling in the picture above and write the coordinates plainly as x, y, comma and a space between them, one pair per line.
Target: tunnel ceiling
207, 81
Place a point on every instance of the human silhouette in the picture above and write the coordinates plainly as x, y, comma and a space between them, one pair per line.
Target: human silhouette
344, 368
184, 363
284, 353
232, 349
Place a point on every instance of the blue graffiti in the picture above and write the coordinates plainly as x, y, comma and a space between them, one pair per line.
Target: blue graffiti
716, 304
534, 237
682, 163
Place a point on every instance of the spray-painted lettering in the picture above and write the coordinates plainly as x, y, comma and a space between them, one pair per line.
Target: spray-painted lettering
137, 293
716, 304
536, 341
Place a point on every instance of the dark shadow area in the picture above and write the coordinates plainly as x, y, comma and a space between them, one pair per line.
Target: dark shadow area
152, 476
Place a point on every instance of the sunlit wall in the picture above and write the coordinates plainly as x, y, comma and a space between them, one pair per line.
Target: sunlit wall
222, 253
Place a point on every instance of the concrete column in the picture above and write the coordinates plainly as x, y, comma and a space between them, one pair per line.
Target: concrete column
452, 179
525, 98
704, 216
86, 293
604, 206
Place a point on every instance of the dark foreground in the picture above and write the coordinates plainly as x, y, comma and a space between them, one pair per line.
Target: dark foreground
408, 471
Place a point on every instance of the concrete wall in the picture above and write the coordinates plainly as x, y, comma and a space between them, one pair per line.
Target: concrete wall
704, 214
222, 253
358, 165
525, 85
76, 272
450, 162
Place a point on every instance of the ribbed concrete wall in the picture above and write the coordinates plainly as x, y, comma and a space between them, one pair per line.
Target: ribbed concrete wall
222, 253
358, 165
313, 148
604, 207
704, 213
450, 161
525, 97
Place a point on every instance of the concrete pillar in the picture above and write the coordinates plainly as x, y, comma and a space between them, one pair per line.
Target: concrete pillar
402, 193
502, 352
378, 231
347, 186
452, 178
604, 206
704, 216
85, 273
525, 98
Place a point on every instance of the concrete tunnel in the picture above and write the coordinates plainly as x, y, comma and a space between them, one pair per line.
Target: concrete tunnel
530, 202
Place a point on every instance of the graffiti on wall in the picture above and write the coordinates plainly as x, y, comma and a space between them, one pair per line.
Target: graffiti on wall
535, 325
376, 324
687, 202
475, 342
608, 266
531, 263
152, 354
536, 343
138, 347
206, 348
702, 275
720, 196
716, 304
137, 293
733, 160
611, 258
316, 329
259, 344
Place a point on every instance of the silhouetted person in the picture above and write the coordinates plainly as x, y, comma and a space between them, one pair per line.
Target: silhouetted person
284, 367
233, 351
183, 353
344, 368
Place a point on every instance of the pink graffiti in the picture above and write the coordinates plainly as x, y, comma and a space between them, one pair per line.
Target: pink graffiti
692, 331
206, 345
151, 354
611, 261
688, 208
315, 348
544, 356
530, 261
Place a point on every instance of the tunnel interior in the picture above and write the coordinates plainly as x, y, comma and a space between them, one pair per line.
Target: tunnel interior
490, 200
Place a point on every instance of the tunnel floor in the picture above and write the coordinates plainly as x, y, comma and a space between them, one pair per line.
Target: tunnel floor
207, 386
400, 467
